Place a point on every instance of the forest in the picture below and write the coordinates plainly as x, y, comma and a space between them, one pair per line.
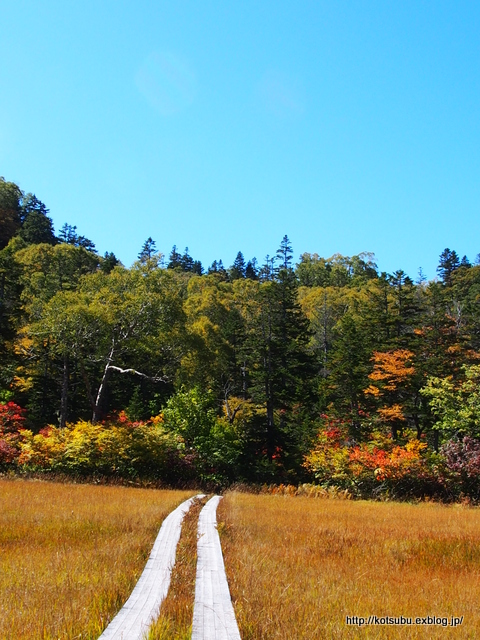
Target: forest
320, 371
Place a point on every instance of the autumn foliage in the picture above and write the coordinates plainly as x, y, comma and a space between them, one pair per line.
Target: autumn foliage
12, 419
378, 465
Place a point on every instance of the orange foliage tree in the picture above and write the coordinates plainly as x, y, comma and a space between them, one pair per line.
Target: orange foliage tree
392, 386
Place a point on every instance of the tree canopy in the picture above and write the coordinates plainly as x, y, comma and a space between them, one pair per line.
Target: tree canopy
265, 350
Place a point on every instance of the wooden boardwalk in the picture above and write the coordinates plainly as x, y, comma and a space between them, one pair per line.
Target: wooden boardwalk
141, 609
213, 615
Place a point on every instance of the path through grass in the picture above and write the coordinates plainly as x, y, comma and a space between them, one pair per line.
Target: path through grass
176, 612
71, 554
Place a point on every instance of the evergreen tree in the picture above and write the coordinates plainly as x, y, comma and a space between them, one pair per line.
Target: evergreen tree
68, 235
109, 262
137, 409
217, 267
37, 228
197, 267
31, 204
285, 256
350, 366
238, 268
278, 364
186, 261
213, 268
405, 306
148, 250
10, 209
448, 263
421, 277
175, 259
380, 312
267, 270
251, 269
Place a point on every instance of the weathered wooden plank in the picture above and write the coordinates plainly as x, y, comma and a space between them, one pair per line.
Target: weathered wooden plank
213, 615
134, 619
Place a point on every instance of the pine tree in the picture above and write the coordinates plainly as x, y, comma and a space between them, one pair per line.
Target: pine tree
175, 259
109, 262
213, 268
10, 197
406, 311
30, 204
37, 228
251, 269
449, 261
186, 261
267, 270
197, 267
275, 351
237, 270
349, 368
68, 235
148, 250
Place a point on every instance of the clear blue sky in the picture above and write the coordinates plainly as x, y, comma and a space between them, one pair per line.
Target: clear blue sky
348, 125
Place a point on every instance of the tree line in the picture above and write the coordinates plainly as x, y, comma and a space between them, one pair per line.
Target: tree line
274, 350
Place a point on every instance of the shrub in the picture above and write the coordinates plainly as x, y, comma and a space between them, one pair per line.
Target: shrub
378, 466
212, 440
462, 466
120, 448
12, 419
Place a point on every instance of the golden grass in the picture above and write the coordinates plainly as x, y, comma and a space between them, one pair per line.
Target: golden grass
71, 554
298, 566
176, 612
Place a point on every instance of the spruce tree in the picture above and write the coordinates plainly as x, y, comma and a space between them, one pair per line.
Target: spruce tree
186, 261
148, 250
251, 269
279, 366
237, 270
449, 261
175, 259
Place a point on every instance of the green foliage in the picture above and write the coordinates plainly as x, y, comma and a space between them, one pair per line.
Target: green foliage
456, 404
10, 199
37, 229
242, 361
191, 414
136, 407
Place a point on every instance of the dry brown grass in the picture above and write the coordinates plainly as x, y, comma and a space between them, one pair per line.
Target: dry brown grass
176, 612
297, 566
71, 554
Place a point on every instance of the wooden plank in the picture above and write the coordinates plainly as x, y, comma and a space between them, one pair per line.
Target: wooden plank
213, 615
141, 609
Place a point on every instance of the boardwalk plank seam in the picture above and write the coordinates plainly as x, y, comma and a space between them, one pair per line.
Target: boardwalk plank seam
141, 609
213, 614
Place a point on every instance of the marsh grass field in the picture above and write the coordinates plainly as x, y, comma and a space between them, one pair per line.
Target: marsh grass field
71, 554
298, 566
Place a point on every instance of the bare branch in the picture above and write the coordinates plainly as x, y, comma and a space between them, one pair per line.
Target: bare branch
139, 373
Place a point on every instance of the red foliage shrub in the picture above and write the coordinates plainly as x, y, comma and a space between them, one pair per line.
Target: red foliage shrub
12, 420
